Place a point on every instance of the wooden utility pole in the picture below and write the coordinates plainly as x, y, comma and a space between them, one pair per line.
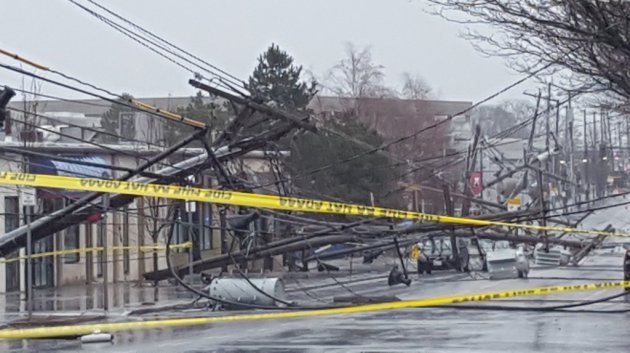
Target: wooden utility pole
530, 143
594, 129
141, 226
450, 210
543, 208
547, 135
585, 163
571, 161
470, 164
547, 127
481, 170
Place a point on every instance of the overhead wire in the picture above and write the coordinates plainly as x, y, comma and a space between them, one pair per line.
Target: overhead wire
227, 76
142, 40
87, 128
460, 113
81, 82
122, 101
58, 98
373, 150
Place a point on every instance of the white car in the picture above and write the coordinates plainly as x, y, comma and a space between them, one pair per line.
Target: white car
507, 263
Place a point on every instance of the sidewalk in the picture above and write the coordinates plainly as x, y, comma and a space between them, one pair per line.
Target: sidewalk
87, 300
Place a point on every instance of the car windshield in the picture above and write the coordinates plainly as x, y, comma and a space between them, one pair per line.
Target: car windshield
427, 247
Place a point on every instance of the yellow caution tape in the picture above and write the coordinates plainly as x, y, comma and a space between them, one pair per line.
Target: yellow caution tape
142, 248
77, 330
257, 200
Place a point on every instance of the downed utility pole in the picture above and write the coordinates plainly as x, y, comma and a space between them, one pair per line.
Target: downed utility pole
450, 210
56, 221
306, 241
249, 103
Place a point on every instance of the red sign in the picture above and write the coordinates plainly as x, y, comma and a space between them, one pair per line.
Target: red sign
475, 183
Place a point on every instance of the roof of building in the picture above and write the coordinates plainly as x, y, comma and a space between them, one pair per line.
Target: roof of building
391, 105
96, 107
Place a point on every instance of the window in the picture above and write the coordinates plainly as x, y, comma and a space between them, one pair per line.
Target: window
71, 242
206, 236
125, 240
11, 213
99, 243
11, 222
127, 125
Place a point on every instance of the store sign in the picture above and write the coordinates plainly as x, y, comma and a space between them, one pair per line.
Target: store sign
513, 204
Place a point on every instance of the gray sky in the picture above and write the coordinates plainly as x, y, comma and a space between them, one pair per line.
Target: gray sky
232, 33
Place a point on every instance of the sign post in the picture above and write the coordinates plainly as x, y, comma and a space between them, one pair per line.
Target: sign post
28, 200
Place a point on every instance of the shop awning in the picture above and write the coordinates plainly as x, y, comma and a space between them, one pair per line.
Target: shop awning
81, 167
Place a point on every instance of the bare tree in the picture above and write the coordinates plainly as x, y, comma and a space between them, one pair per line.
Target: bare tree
160, 216
357, 75
415, 87
589, 38
502, 116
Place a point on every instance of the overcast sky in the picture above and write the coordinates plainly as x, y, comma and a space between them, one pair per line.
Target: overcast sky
232, 33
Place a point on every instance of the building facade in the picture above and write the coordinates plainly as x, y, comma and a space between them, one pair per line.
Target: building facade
426, 129
135, 234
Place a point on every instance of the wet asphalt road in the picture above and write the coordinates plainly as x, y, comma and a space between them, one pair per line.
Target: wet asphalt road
412, 330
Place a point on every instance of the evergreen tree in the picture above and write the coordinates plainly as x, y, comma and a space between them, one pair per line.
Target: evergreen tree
212, 114
277, 79
350, 181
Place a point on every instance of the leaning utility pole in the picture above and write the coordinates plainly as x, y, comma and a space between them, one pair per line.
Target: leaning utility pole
450, 210
471, 161
585, 163
543, 208
547, 142
571, 161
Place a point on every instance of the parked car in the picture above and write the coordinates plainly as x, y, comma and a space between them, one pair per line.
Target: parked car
435, 254
507, 263
626, 267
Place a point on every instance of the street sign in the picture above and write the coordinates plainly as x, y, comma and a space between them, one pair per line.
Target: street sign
513, 204
28, 196
475, 183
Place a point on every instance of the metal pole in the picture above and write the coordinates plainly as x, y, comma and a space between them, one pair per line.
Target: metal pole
481, 171
543, 208
29, 263
400, 257
547, 118
190, 239
104, 263
201, 209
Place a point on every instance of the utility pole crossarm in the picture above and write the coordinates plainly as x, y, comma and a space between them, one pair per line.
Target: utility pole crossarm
300, 122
